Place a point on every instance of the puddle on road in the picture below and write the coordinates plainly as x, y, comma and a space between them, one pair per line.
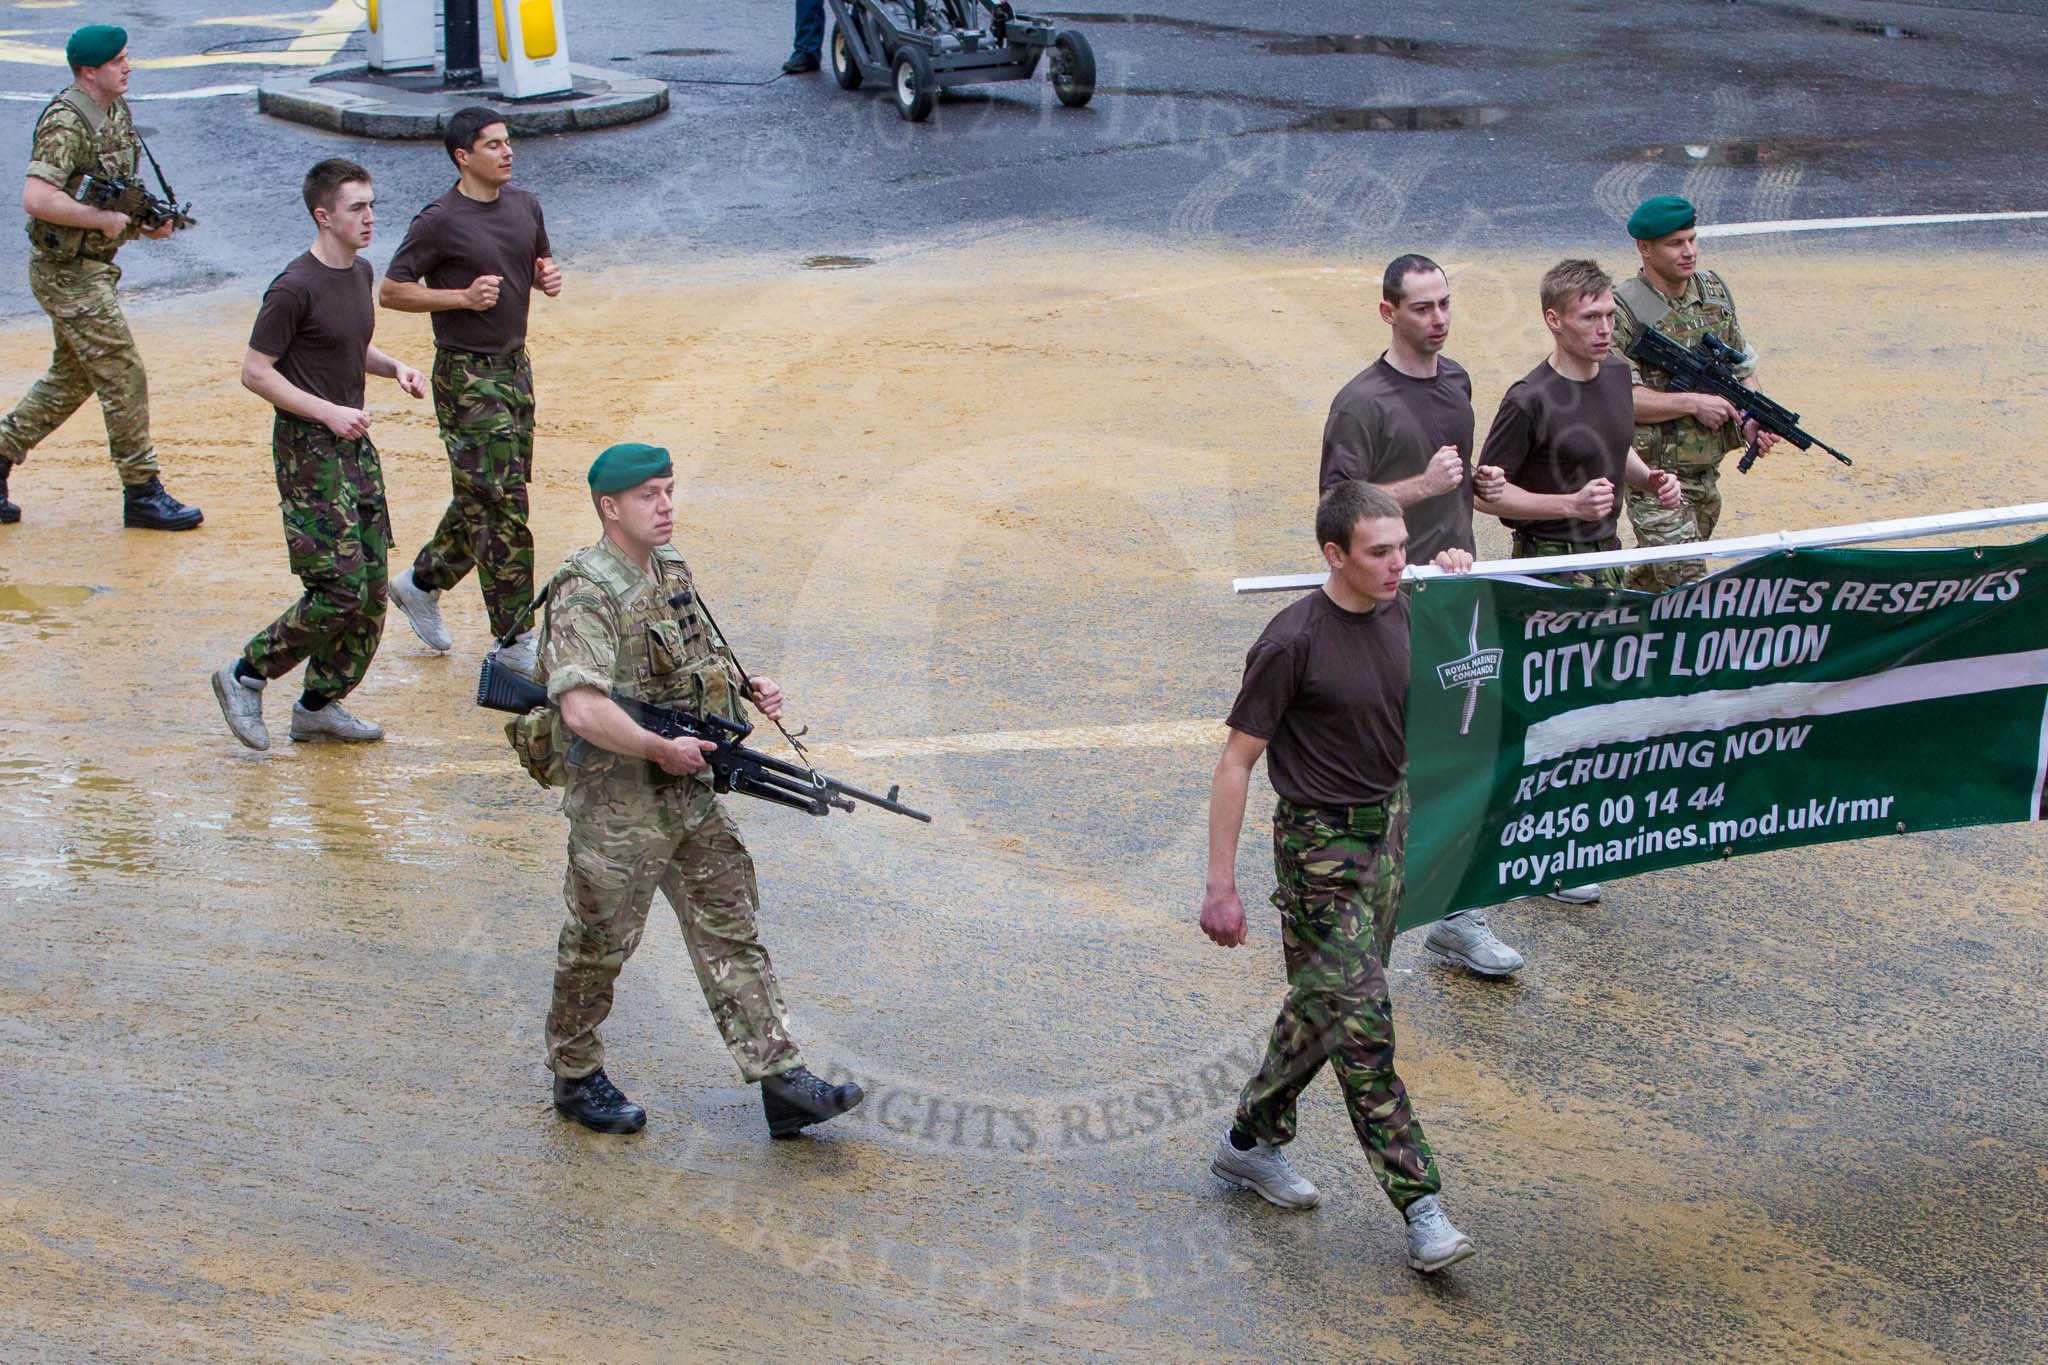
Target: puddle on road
837, 262
36, 603
1714, 153
684, 52
1411, 118
1347, 44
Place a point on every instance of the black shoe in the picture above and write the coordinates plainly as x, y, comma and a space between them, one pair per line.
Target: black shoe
147, 507
596, 1103
797, 1099
9, 513
800, 64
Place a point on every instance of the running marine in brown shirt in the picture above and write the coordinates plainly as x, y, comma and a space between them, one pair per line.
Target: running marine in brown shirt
1324, 698
308, 354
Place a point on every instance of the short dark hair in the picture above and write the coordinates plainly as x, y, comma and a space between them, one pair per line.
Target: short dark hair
466, 126
1347, 503
1568, 281
325, 180
1394, 284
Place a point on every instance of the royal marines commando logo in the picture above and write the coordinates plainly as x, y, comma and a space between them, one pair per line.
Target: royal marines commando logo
1476, 669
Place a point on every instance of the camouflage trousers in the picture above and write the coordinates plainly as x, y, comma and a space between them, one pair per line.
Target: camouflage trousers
629, 836
1693, 520
95, 354
484, 404
1532, 547
1339, 894
337, 531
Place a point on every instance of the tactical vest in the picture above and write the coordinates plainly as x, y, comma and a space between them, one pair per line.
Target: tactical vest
1681, 442
114, 153
665, 654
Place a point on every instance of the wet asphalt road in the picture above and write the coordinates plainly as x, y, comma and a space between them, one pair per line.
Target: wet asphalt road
1789, 1107
1557, 119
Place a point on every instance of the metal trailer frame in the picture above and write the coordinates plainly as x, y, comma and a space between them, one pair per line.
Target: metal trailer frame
949, 43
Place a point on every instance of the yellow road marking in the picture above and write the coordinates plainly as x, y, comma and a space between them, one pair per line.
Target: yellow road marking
321, 35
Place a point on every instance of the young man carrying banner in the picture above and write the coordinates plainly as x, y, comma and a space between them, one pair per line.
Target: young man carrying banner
473, 258
307, 357
1562, 440
1324, 696
1404, 424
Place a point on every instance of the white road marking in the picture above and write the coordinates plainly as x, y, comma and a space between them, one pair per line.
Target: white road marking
1846, 224
204, 92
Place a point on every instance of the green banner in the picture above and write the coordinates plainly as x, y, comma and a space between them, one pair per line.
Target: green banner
1558, 736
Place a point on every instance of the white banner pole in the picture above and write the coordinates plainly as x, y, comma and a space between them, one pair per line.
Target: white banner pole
1748, 547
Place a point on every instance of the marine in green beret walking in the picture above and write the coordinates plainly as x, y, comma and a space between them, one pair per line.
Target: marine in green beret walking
86, 131
1688, 434
625, 615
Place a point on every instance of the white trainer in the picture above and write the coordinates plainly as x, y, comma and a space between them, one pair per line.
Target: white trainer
1469, 941
422, 608
333, 721
1265, 1171
1577, 895
522, 656
1433, 1242
241, 705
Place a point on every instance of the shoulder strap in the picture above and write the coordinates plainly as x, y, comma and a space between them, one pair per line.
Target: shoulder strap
1714, 288
1644, 304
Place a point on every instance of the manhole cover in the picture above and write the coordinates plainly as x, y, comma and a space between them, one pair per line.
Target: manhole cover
1412, 118
837, 262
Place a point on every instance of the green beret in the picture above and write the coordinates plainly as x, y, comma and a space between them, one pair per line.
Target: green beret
95, 45
627, 466
1660, 217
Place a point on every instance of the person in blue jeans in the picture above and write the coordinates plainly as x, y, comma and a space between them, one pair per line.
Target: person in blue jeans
810, 38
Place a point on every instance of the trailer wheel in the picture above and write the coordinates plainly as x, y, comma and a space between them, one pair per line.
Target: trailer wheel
845, 69
1073, 68
914, 84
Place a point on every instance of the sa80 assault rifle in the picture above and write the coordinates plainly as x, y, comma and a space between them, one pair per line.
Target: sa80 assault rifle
734, 767
1710, 367
127, 194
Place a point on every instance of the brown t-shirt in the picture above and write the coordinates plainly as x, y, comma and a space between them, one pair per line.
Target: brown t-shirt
318, 321
1384, 426
455, 239
1556, 435
1328, 689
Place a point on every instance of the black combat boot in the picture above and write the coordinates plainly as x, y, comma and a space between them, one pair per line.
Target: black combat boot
596, 1103
9, 513
796, 1099
147, 507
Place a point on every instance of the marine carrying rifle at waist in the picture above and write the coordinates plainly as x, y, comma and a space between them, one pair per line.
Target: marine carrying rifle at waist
734, 767
1712, 367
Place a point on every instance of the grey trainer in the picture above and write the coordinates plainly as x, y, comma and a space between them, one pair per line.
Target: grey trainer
1433, 1242
1265, 1171
422, 608
1469, 941
521, 656
241, 706
1576, 895
333, 721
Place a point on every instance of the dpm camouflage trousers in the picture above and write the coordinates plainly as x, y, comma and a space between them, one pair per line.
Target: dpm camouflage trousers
1532, 547
1339, 893
629, 836
95, 354
1693, 520
484, 404
337, 531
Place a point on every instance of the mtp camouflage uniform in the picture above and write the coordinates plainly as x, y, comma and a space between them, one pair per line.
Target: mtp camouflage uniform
1339, 874
1683, 445
1535, 547
634, 829
337, 530
72, 274
484, 404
